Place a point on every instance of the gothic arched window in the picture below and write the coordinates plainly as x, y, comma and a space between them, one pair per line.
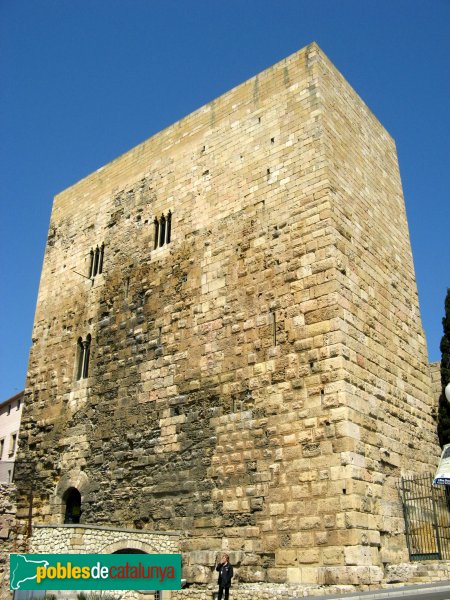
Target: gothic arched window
163, 230
96, 262
83, 355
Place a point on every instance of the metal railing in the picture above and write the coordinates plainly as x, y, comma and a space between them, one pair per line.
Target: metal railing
427, 518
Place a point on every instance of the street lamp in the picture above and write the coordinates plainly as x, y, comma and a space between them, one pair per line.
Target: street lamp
447, 392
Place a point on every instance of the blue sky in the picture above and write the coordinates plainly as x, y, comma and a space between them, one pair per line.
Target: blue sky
83, 81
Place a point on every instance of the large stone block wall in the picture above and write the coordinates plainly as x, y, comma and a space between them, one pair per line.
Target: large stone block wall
388, 397
436, 385
249, 383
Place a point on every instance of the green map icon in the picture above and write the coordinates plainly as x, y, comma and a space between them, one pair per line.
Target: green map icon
23, 569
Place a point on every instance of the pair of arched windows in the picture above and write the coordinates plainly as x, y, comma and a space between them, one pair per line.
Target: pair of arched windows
96, 263
83, 354
163, 229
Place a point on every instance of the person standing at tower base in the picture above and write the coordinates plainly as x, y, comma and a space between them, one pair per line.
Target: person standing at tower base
225, 575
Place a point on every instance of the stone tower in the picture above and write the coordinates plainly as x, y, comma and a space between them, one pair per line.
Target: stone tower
228, 342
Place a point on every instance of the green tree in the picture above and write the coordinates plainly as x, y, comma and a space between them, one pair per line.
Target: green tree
444, 406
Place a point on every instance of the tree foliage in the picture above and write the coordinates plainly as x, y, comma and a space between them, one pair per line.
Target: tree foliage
444, 406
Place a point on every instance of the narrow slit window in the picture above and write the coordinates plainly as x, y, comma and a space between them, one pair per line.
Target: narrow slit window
96, 259
91, 263
169, 227
162, 230
87, 352
100, 261
80, 358
156, 223
83, 356
274, 328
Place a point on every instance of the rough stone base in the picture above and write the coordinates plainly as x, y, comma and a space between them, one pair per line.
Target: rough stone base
84, 539
10, 539
248, 591
69, 539
417, 572
79, 538
395, 576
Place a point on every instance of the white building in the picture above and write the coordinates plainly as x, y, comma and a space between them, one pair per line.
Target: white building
10, 416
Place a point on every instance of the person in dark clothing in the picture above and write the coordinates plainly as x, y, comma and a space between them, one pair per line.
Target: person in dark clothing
225, 574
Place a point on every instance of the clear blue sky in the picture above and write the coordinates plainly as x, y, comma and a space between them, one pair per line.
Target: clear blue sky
83, 81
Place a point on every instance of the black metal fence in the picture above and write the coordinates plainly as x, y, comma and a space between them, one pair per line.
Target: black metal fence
427, 518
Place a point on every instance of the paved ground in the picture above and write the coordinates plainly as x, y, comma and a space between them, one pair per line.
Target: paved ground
435, 591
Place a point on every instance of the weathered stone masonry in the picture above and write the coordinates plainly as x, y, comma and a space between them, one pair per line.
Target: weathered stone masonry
260, 381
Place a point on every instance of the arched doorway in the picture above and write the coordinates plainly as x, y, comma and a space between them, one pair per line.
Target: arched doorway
72, 499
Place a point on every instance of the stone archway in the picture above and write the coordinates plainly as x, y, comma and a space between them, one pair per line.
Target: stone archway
129, 546
75, 479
